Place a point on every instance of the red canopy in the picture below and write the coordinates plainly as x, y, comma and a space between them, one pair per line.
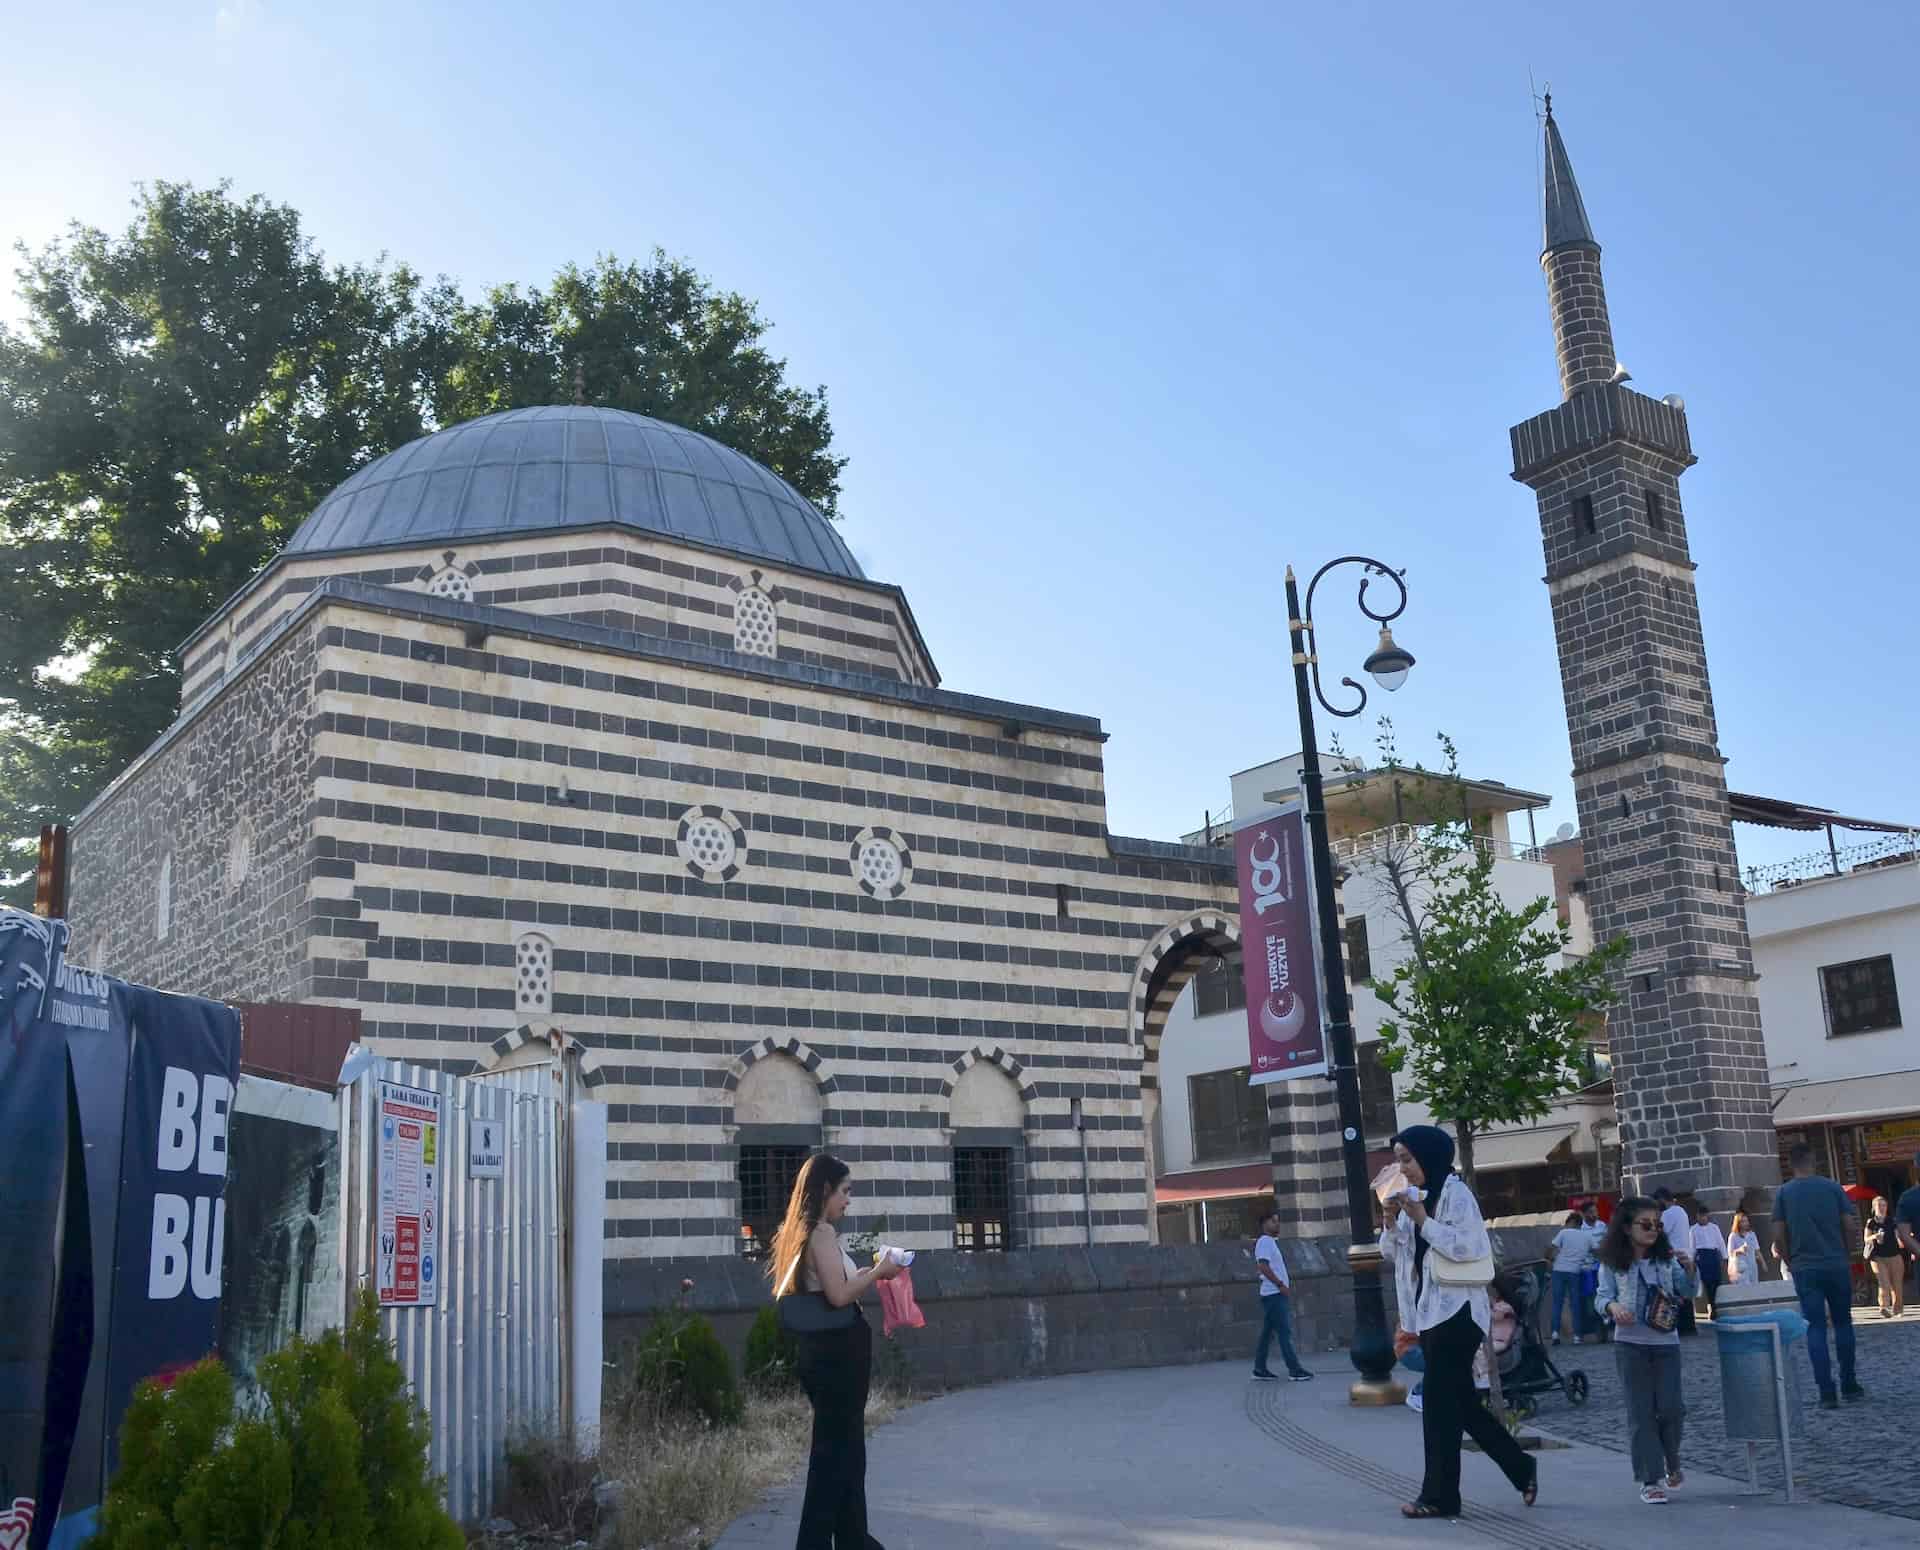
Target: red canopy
1860, 1192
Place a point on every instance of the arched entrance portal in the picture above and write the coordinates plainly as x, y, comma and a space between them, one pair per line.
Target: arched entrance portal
1302, 1146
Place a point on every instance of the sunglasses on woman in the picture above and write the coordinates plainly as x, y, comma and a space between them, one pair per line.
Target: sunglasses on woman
1648, 1224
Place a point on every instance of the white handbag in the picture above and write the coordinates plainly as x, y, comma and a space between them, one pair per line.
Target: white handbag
1460, 1272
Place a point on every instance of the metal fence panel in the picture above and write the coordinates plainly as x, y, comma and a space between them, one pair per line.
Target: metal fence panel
488, 1361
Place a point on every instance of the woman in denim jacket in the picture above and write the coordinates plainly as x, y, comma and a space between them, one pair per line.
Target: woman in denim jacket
1643, 1281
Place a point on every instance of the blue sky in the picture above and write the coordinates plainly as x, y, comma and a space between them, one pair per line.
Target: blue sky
1122, 308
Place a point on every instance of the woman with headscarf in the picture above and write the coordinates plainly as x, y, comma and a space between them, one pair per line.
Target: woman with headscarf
1440, 1220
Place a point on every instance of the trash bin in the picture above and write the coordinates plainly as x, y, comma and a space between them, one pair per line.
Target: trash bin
1760, 1390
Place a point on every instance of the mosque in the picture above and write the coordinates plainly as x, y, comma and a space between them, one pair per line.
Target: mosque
569, 727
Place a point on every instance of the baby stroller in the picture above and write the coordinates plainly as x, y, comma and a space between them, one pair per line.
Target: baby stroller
1526, 1368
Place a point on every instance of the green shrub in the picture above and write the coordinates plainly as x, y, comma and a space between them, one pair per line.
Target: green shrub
772, 1354
338, 1460
680, 1367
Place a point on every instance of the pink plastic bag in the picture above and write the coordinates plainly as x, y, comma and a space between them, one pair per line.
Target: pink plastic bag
897, 1307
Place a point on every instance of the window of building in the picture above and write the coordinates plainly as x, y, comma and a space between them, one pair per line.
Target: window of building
982, 1197
1359, 951
766, 1184
1860, 996
163, 899
1378, 1118
452, 583
1229, 1117
533, 974
1583, 519
1220, 986
756, 627
1656, 512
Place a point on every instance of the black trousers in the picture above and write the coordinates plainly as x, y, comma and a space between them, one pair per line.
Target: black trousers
836, 1370
1450, 1405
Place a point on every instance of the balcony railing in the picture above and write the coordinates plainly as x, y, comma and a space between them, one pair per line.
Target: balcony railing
1883, 850
1357, 847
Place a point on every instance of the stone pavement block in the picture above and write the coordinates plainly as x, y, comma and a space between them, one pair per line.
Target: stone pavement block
1198, 1458
1853, 1456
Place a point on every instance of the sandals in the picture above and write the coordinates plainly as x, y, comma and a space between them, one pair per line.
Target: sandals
1532, 1492
1425, 1510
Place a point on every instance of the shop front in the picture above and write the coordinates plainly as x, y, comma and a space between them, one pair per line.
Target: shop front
1864, 1131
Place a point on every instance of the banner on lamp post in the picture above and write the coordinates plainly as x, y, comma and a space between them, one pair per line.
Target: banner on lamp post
1286, 1032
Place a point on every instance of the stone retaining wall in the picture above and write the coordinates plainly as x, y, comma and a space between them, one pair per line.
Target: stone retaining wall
1041, 1311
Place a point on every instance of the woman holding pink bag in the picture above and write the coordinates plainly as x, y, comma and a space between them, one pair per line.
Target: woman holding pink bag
818, 1292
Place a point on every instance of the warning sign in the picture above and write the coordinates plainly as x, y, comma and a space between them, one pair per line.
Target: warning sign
406, 1253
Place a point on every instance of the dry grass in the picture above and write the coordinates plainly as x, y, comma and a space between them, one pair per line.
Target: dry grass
684, 1484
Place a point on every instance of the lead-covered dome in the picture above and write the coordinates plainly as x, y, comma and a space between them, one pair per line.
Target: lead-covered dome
570, 466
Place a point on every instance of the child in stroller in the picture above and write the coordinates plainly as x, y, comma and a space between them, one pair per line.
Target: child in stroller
1526, 1370
1526, 1367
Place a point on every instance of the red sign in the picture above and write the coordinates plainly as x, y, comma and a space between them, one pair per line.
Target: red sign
406, 1259
1285, 1035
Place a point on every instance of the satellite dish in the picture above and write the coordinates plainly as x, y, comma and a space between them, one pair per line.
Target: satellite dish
1564, 832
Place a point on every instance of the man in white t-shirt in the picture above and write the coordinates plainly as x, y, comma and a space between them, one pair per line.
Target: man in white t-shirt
1276, 1304
1676, 1221
1568, 1256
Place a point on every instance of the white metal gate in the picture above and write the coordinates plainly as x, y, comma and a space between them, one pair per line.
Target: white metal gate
488, 1362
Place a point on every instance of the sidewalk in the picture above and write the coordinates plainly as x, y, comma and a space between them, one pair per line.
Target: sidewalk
1199, 1458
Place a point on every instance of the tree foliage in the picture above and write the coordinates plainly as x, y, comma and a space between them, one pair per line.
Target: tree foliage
183, 393
1487, 1012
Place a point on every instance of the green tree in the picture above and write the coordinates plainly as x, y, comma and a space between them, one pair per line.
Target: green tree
1488, 1012
183, 393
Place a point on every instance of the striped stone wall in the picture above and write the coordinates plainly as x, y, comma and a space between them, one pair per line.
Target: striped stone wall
614, 579
511, 823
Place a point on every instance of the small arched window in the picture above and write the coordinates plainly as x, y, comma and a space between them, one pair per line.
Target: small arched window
163, 899
533, 974
756, 627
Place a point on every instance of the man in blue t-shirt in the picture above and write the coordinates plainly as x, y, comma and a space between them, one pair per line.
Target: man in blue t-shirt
1906, 1215
1813, 1222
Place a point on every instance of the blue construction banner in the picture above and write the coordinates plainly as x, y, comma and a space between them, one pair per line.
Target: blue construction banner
114, 1105
173, 1176
33, 1133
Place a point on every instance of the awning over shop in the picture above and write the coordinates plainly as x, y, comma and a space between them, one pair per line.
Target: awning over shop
1857, 1097
1173, 1189
1520, 1148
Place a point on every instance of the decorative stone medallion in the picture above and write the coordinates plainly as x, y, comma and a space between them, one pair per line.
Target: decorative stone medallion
880, 863
713, 843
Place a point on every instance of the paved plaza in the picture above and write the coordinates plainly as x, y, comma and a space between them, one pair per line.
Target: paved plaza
1199, 1458
1859, 1455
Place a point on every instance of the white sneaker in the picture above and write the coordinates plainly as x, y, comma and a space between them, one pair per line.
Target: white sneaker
1577, 1339
1416, 1403
1654, 1495
1556, 1339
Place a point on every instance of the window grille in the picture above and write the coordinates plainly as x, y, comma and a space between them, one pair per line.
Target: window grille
767, 1174
533, 974
1229, 1117
756, 627
982, 1198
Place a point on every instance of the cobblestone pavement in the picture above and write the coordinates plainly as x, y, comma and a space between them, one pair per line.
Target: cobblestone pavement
1857, 1456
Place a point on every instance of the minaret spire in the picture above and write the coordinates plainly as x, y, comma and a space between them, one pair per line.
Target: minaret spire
1582, 332
1564, 215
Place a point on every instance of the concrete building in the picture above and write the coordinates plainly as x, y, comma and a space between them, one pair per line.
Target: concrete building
1207, 1136
1605, 465
1836, 938
567, 728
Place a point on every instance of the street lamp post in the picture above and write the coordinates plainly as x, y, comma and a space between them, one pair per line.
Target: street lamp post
1388, 666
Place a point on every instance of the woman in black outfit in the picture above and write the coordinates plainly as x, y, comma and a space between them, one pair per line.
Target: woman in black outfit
835, 1366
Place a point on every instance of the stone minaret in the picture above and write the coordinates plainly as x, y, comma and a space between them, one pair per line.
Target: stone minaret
1690, 1070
